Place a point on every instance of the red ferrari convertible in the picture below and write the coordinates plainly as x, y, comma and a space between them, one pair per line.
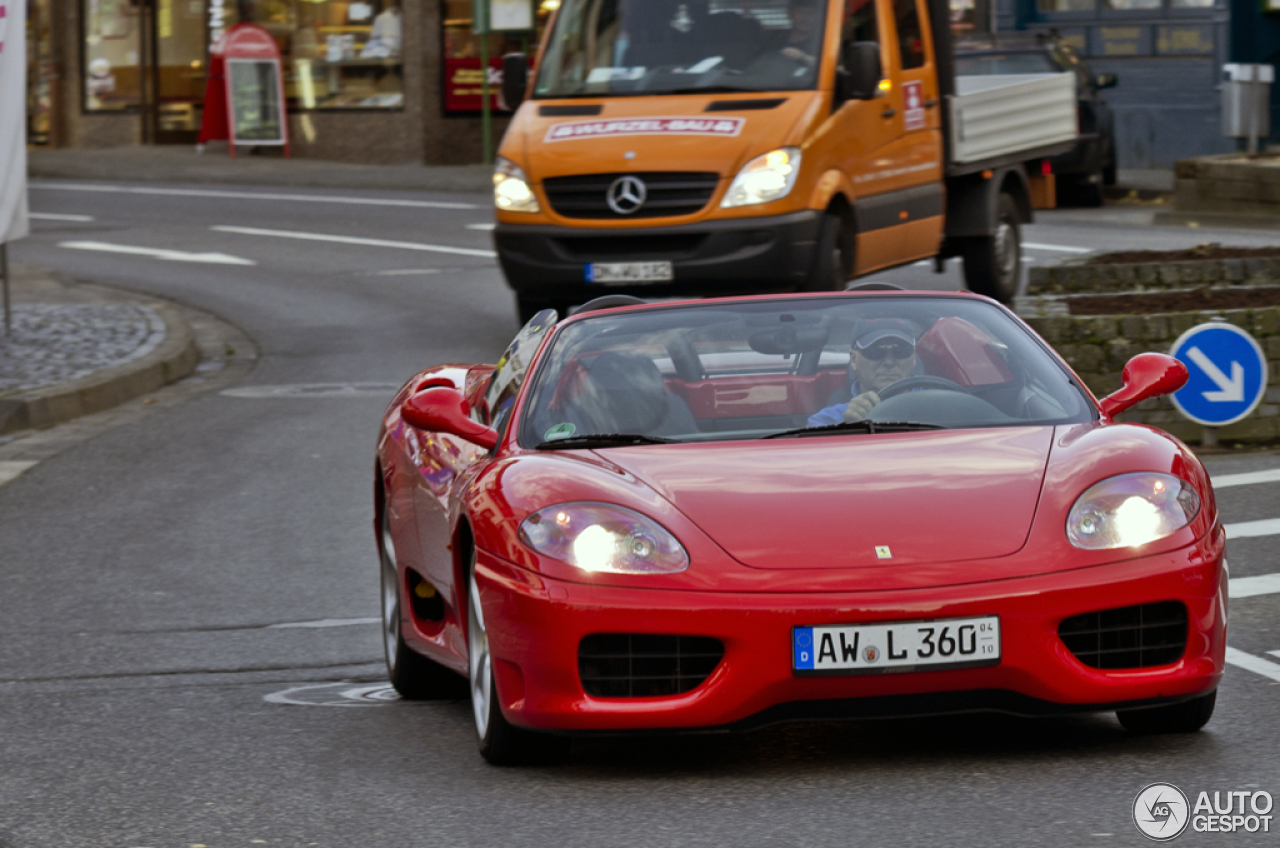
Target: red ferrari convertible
721, 514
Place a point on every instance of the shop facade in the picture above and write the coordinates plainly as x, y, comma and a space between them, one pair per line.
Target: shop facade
1168, 56
380, 81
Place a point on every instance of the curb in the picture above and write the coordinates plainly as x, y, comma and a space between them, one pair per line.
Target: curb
176, 357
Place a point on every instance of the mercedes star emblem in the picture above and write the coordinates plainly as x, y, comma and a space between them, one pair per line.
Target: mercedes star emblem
626, 195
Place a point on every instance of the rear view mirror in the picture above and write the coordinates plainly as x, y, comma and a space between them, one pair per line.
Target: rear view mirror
1106, 80
515, 79
860, 73
1146, 376
440, 409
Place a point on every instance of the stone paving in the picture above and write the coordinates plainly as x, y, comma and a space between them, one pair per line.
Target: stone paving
54, 343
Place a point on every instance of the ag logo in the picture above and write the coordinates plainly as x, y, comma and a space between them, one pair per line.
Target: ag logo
1161, 812
626, 195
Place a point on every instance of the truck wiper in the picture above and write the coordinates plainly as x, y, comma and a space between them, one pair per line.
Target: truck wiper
855, 427
605, 440
708, 89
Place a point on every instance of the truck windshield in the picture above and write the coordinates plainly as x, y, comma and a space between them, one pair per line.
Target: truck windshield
639, 47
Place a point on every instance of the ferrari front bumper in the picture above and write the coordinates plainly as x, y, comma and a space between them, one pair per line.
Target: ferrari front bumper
535, 626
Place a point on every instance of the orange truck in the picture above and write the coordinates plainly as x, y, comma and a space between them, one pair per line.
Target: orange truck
714, 147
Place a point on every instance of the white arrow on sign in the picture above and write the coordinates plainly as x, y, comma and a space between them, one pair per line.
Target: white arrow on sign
1229, 389
158, 253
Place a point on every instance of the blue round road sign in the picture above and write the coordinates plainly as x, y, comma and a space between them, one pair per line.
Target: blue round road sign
1228, 374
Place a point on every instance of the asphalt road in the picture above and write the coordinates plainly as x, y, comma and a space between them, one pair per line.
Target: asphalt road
149, 695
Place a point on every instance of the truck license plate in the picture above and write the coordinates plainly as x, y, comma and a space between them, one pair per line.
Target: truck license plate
896, 646
621, 273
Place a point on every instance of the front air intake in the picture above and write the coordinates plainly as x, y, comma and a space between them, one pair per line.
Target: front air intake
625, 665
1128, 637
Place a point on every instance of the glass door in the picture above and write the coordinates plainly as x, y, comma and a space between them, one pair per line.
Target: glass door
177, 58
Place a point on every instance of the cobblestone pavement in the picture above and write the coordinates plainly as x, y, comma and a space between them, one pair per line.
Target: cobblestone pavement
53, 343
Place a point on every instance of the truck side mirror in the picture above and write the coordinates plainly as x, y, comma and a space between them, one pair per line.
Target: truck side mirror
1106, 80
859, 75
515, 79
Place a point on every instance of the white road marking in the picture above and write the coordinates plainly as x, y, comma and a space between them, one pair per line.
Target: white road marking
488, 228
1248, 587
1058, 248
407, 272
335, 695
158, 253
1246, 529
1274, 653
324, 622
255, 195
365, 242
1255, 664
1271, 475
12, 469
51, 216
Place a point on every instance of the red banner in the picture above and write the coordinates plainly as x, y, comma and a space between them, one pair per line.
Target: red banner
463, 81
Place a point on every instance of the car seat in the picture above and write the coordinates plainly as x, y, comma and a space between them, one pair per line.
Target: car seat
625, 393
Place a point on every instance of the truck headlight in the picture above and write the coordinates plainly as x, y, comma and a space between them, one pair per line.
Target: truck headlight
603, 537
511, 189
1131, 510
764, 178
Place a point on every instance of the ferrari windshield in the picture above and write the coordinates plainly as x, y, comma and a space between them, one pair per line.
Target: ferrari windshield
794, 368
637, 47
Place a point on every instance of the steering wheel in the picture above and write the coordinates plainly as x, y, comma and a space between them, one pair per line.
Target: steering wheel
923, 381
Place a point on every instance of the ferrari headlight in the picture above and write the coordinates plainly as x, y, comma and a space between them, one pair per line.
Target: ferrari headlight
764, 178
1131, 510
603, 537
511, 189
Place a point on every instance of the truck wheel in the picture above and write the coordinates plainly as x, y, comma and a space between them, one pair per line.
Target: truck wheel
1187, 717
833, 258
993, 265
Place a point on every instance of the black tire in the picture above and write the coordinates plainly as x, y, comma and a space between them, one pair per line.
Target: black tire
832, 258
1109, 173
1088, 191
1186, 717
993, 264
414, 676
501, 743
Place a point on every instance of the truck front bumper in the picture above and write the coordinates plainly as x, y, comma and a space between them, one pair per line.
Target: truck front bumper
738, 256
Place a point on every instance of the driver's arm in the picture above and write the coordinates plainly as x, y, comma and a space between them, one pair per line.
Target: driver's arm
860, 407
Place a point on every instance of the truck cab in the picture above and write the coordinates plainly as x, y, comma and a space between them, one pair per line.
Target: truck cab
719, 147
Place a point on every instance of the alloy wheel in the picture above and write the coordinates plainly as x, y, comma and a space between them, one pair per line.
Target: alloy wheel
390, 595
478, 654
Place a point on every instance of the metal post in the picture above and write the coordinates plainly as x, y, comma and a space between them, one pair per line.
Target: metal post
486, 118
4, 273
1209, 437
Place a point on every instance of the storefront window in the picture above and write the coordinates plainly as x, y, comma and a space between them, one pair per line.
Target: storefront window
41, 68
337, 54
1132, 5
112, 39
461, 50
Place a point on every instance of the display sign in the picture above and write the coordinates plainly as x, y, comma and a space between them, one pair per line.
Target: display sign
1228, 373
1121, 41
13, 120
1184, 40
254, 88
510, 15
463, 81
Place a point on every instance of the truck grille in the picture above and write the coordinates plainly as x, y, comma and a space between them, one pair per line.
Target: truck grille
1129, 637
624, 665
669, 194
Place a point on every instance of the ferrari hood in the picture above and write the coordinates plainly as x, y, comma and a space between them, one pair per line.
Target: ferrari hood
660, 133
856, 501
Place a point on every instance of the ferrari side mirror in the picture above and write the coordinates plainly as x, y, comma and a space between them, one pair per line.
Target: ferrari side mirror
444, 410
1147, 375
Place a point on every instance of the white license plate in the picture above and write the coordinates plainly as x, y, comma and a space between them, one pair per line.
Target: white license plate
896, 646
621, 273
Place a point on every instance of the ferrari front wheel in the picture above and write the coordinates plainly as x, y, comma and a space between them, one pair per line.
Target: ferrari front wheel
1186, 717
501, 742
413, 676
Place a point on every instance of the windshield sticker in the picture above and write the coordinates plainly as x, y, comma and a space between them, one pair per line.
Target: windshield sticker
722, 127
560, 431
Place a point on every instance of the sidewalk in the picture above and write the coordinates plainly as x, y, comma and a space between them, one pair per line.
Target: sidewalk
78, 348
181, 164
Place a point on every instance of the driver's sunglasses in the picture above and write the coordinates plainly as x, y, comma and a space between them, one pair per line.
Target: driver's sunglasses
898, 350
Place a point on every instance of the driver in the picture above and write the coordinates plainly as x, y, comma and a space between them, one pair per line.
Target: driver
805, 20
881, 352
